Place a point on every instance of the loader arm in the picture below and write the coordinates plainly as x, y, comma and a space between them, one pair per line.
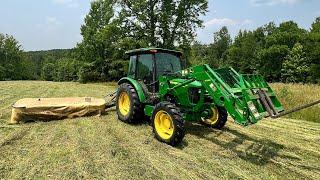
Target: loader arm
247, 98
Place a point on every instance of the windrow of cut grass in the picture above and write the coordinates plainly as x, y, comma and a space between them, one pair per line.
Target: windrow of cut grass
106, 148
293, 95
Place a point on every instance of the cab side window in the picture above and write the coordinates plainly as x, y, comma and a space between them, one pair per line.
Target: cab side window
144, 67
132, 66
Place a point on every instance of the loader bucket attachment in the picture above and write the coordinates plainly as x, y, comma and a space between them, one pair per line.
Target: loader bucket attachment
247, 98
252, 95
257, 94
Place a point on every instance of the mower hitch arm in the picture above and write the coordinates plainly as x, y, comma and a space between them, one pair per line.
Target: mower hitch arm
110, 102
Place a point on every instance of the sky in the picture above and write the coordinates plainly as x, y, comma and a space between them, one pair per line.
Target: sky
55, 24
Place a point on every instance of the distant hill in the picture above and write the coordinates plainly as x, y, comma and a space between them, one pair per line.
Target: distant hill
39, 57
54, 53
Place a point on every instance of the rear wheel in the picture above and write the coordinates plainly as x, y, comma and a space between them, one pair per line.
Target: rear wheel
167, 122
218, 118
128, 106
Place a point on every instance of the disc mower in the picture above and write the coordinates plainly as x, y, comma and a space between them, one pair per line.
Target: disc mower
158, 88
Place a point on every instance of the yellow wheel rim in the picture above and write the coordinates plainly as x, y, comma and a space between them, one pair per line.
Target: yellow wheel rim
164, 125
214, 118
124, 103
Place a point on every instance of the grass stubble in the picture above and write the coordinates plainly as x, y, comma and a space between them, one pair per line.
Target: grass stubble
99, 147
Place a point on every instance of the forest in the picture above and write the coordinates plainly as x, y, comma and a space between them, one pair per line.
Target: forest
281, 52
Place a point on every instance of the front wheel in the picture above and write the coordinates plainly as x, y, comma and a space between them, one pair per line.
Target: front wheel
218, 118
168, 124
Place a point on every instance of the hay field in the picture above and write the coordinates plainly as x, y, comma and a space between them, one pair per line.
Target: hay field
100, 147
293, 95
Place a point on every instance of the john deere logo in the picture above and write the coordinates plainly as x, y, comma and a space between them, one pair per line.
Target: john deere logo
213, 87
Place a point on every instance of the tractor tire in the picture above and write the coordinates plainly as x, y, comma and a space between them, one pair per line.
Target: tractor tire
219, 119
128, 106
168, 123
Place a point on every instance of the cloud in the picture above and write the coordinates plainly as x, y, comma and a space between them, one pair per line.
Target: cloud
205, 34
272, 2
50, 23
317, 13
226, 22
67, 3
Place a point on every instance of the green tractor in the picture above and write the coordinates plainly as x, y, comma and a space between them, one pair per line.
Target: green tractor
158, 88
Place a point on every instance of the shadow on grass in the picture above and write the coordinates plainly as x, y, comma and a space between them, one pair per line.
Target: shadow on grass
15, 137
260, 152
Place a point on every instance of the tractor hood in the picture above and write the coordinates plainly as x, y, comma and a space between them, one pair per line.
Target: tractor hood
177, 81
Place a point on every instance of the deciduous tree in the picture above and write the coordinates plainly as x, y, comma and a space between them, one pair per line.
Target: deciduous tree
296, 66
163, 23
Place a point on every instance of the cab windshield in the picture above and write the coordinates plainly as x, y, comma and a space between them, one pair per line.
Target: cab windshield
167, 64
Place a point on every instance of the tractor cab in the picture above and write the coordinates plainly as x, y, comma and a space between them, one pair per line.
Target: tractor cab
148, 64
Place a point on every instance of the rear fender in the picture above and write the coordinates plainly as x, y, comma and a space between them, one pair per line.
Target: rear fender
136, 85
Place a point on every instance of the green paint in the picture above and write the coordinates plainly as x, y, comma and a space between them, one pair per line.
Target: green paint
136, 85
211, 87
148, 109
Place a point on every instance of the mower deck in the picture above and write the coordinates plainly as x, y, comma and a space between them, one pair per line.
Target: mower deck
47, 109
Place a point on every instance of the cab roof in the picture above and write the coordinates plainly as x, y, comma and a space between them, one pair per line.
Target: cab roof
152, 50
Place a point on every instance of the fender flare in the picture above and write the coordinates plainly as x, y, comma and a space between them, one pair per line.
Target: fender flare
136, 85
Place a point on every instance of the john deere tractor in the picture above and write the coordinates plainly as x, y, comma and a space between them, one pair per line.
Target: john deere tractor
157, 88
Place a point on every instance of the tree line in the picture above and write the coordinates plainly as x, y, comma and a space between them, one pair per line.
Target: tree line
13, 61
281, 53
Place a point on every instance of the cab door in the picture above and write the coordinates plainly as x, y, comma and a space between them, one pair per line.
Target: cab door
145, 70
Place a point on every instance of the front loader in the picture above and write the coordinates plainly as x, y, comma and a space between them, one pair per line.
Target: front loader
159, 89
